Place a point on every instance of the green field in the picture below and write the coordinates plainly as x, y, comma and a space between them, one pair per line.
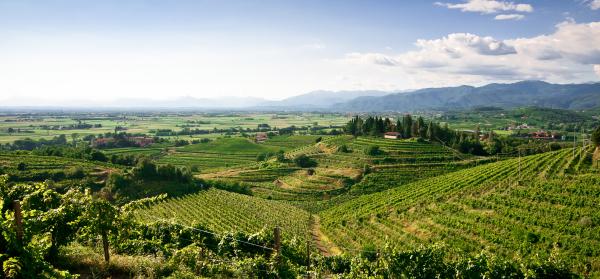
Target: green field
34, 125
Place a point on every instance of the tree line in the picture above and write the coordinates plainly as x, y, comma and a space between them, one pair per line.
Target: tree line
473, 142
407, 127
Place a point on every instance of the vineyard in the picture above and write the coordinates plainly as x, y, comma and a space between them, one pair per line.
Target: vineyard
358, 194
340, 172
222, 212
518, 206
26, 167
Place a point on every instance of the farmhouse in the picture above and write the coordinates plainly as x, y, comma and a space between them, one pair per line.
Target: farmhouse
141, 141
261, 137
392, 135
138, 141
544, 135
101, 141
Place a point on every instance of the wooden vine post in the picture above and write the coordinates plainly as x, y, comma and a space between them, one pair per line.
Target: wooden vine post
277, 235
18, 221
277, 248
105, 246
308, 245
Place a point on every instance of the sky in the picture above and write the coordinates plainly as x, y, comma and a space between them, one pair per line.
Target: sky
57, 51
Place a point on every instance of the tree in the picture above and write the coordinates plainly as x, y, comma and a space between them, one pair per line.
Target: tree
145, 169
399, 128
304, 161
596, 136
430, 131
100, 218
407, 124
74, 137
414, 129
421, 128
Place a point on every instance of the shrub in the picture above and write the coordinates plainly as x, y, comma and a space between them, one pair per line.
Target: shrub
281, 156
596, 136
22, 166
304, 161
372, 150
75, 172
343, 148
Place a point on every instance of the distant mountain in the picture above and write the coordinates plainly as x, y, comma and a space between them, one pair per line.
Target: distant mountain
321, 99
519, 94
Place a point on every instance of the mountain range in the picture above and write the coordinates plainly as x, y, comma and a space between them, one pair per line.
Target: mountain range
518, 94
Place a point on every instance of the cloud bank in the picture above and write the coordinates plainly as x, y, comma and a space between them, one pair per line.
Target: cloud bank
570, 54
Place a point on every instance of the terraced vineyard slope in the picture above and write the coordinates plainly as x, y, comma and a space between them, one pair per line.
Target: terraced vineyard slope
222, 211
341, 169
482, 208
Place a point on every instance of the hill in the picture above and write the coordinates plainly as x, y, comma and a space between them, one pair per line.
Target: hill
321, 99
223, 212
482, 208
519, 94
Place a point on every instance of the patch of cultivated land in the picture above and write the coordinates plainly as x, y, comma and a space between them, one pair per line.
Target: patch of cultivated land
222, 212
481, 208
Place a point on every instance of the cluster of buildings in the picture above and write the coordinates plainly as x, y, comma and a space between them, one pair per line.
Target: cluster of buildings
261, 137
138, 141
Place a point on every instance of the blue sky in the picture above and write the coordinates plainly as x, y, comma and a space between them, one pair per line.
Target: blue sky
274, 49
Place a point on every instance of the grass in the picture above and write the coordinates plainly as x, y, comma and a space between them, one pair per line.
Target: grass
89, 262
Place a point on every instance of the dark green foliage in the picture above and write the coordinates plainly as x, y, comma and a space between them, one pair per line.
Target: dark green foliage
343, 148
86, 153
21, 166
147, 170
236, 187
181, 142
281, 156
30, 144
596, 136
75, 172
373, 150
304, 161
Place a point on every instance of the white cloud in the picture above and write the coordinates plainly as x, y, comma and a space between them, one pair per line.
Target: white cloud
456, 43
488, 6
563, 56
594, 4
509, 17
574, 42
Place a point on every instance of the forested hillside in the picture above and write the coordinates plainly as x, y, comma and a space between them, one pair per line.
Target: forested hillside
525, 93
